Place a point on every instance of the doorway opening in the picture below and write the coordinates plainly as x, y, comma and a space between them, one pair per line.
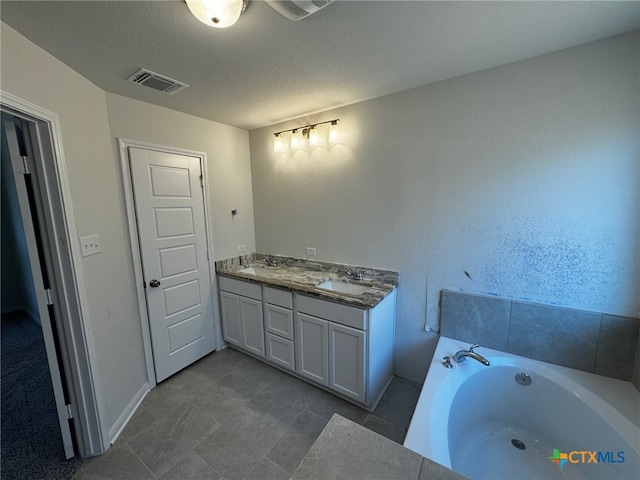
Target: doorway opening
36, 439
47, 305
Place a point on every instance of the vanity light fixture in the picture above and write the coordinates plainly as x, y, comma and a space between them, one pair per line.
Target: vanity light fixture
277, 143
217, 13
333, 131
295, 139
308, 132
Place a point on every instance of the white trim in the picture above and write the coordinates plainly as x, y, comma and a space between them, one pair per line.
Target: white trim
128, 412
84, 381
123, 145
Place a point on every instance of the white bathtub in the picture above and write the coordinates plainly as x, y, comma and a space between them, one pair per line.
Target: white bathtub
467, 417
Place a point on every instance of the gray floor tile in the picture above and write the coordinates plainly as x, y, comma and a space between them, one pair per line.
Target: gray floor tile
386, 429
174, 392
216, 365
120, 464
191, 467
347, 450
161, 445
267, 470
221, 403
141, 419
258, 372
238, 445
326, 404
297, 440
398, 403
240, 385
283, 400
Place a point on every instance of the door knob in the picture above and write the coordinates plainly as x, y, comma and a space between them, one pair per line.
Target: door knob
154, 283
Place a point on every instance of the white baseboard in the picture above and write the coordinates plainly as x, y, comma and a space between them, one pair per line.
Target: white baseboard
136, 401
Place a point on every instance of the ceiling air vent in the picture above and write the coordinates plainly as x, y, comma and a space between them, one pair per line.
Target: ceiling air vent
297, 9
156, 81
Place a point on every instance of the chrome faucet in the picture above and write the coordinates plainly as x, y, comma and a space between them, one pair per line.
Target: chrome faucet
353, 274
461, 355
270, 261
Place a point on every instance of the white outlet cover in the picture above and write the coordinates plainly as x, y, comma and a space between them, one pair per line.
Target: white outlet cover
311, 251
242, 248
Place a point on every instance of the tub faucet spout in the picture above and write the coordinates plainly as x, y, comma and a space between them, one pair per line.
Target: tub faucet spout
462, 355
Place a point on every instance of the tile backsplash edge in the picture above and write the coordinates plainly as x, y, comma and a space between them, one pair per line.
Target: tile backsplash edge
455, 317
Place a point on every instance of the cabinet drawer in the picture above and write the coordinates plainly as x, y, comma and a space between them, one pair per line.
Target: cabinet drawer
336, 312
278, 297
246, 289
280, 351
278, 320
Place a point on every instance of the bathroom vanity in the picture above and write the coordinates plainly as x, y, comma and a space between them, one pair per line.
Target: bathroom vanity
315, 322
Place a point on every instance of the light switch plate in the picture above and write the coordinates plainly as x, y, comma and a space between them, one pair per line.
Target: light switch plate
90, 245
311, 252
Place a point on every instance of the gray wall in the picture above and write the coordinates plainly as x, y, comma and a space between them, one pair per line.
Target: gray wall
519, 181
90, 120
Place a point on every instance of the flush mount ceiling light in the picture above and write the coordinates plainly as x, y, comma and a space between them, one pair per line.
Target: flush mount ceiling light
308, 132
217, 13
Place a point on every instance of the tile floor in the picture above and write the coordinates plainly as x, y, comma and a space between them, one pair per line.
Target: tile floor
231, 416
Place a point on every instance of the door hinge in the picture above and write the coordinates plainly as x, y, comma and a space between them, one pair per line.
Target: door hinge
201, 181
47, 291
21, 165
70, 411
25, 162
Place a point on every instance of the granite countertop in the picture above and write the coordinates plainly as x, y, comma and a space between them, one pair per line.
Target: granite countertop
302, 275
346, 450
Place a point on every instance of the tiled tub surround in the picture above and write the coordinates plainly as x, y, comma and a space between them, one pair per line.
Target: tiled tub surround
588, 341
302, 275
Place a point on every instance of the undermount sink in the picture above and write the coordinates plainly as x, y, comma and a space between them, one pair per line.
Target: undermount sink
343, 287
256, 271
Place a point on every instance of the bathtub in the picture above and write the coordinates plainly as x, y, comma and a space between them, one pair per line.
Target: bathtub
484, 424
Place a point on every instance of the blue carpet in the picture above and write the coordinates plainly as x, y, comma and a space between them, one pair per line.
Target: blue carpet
31, 445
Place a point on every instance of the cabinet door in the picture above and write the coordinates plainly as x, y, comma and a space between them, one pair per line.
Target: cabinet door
279, 321
252, 326
231, 323
347, 361
312, 348
280, 351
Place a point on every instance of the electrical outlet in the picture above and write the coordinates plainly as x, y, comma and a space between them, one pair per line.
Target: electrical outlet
90, 245
242, 248
311, 252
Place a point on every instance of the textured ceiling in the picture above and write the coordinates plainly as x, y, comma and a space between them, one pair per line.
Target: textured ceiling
267, 69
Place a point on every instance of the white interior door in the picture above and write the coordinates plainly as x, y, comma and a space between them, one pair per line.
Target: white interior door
23, 169
169, 206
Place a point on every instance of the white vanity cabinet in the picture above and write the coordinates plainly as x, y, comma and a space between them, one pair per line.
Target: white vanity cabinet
343, 348
347, 349
278, 322
242, 320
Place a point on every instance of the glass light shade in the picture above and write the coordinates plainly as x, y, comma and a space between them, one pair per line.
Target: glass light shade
313, 136
333, 132
216, 13
277, 143
295, 139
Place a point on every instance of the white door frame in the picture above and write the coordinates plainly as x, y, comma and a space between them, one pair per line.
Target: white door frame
124, 144
83, 381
